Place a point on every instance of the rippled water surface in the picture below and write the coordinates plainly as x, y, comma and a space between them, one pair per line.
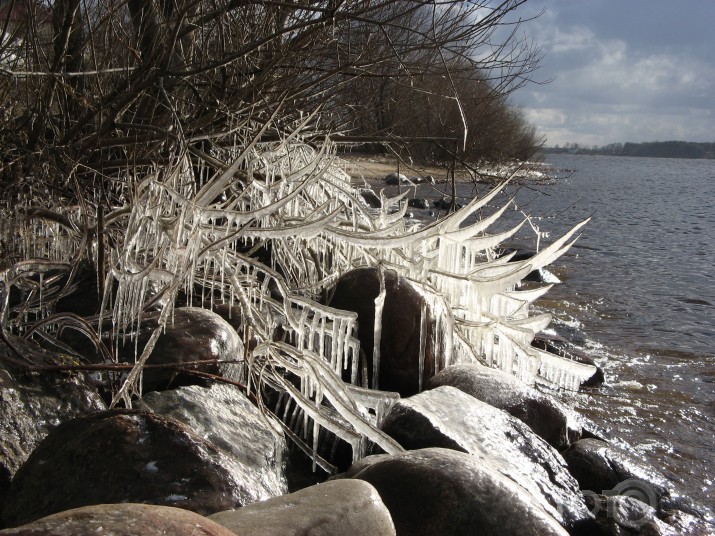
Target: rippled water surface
638, 293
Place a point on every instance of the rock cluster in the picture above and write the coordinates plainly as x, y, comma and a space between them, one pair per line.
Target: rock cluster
483, 453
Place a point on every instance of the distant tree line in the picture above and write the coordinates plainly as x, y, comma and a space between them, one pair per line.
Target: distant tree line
655, 149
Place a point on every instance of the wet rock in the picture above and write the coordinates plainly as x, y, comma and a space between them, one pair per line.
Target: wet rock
126, 519
124, 456
449, 418
624, 516
443, 203
401, 321
418, 203
194, 334
371, 198
684, 524
223, 416
601, 467
549, 419
345, 507
396, 178
442, 491
557, 345
31, 405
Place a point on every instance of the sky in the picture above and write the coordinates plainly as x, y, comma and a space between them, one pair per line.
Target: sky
621, 71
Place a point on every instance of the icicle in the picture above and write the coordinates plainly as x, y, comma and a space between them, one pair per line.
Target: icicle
379, 305
423, 344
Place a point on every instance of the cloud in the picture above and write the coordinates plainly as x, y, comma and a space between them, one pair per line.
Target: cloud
618, 86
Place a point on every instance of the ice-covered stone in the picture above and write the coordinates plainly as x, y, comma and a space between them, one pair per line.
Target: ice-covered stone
192, 334
547, 417
125, 456
223, 416
406, 351
447, 417
31, 405
601, 467
443, 491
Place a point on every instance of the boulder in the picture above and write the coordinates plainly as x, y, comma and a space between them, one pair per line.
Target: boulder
620, 515
31, 405
125, 456
345, 507
396, 178
449, 418
222, 415
684, 524
548, 418
193, 334
607, 469
127, 519
401, 322
442, 491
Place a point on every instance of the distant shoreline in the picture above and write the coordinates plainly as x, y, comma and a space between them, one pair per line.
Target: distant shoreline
653, 149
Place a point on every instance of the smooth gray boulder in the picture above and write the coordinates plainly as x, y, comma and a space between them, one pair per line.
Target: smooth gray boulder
223, 416
125, 456
127, 519
345, 507
548, 418
31, 405
450, 493
447, 417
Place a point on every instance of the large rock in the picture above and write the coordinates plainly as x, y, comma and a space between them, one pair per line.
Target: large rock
548, 418
223, 416
345, 507
607, 469
401, 323
125, 456
193, 334
442, 491
31, 405
126, 519
602, 467
446, 417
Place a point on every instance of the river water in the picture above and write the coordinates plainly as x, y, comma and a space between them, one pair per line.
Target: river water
638, 294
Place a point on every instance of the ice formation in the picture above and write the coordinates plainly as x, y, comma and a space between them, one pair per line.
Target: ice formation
175, 233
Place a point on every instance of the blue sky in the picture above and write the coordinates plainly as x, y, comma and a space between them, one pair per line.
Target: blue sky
622, 70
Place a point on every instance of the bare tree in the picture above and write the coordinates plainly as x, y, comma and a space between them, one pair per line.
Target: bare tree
94, 86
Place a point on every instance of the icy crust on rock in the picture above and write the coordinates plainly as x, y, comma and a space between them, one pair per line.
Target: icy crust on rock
173, 231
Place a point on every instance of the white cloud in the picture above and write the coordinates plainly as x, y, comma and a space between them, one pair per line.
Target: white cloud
611, 89
577, 38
